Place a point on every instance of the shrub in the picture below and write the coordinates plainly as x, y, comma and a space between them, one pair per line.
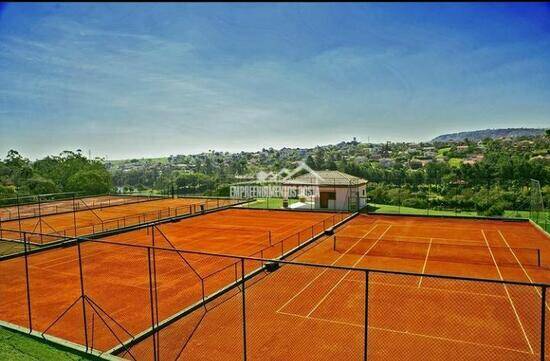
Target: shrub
497, 209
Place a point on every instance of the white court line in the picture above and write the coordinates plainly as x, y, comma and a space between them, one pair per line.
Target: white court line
447, 241
456, 229
348, 272
325, 270
425, 263
439, 338
521, 265
508, 293
430, 288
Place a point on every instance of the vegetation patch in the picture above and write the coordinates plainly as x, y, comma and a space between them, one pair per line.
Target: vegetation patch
15, 346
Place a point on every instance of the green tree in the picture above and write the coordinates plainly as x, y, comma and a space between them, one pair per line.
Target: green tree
40, 185
89, 182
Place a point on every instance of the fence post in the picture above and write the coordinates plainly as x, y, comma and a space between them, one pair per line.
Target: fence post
366, 315
28, 285
152, 303
399, 197
543, 324
244, 309
40, 221
18, 212
74, 216
82, 293
428, 198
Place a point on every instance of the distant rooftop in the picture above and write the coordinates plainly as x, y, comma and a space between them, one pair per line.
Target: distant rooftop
327, 178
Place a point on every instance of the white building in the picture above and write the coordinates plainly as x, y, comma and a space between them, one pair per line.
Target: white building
336, 190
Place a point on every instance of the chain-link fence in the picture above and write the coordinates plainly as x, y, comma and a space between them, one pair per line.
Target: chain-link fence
39, 232
454, 197
43, 205
156, 302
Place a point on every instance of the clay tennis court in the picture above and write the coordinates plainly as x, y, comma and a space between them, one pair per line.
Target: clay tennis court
314, 308
93, 220
66, 205
318, 313
116, 276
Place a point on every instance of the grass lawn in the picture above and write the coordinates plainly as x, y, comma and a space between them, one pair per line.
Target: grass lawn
269, 203
442, 151
15, 346
386, 208
455, 162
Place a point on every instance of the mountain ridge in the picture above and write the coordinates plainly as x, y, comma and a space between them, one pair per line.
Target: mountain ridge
489, 133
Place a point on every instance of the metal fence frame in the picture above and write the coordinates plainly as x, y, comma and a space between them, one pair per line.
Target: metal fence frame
40, 239
239, 283
453, 207
41, 203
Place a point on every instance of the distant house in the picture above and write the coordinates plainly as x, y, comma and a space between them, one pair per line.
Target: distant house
473, 159
429, 154
360, 159
337, 190
541, 158
424, 162
386, 162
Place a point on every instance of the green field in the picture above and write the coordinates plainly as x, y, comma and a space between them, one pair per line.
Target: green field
15, 346
269, 203
442, 151
455, 162
386, 208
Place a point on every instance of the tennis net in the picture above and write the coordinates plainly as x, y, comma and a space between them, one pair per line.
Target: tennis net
438, 250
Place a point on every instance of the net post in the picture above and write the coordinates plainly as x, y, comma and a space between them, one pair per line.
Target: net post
244, 308
27, 281
538, 257
366, 315
543, 323
334, 243
269, 232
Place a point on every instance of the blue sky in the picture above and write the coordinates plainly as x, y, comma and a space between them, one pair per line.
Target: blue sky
133, 80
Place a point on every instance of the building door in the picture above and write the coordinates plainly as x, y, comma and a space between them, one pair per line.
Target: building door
325, 196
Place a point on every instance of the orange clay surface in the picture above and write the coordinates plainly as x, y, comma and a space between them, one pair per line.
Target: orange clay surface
307, 313
108, 218
50, 207
116, 277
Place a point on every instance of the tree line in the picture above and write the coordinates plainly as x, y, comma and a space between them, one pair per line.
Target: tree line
66, 172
